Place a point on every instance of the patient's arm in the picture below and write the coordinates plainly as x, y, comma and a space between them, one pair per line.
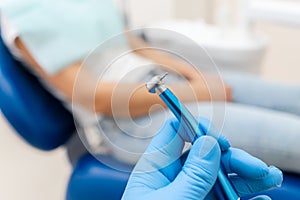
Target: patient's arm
221, 91
98, 96
167, 62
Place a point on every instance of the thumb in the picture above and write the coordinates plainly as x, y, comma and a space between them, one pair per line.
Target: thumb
200, 170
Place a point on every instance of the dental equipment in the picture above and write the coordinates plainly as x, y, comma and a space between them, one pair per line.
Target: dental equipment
191, 127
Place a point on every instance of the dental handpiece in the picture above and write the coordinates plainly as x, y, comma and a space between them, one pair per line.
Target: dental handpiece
191, 127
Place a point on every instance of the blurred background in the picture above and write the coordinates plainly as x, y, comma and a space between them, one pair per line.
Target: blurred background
274, 21
260, 37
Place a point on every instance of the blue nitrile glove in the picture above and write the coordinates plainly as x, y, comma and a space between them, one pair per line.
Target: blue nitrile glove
159, 173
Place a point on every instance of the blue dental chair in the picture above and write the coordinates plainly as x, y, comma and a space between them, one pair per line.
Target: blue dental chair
43, 122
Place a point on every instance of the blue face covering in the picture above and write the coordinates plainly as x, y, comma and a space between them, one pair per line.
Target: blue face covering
59, 33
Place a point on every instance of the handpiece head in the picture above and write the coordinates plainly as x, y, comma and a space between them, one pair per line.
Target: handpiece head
156, 83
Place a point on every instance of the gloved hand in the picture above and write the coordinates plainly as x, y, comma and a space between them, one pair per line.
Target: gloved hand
159, 174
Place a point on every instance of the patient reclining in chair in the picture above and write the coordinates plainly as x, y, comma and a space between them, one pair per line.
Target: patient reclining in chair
260, 116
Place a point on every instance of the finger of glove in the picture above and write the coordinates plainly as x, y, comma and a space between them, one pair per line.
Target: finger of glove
244, 186
209, 129
261, 197
245, 165
200, 170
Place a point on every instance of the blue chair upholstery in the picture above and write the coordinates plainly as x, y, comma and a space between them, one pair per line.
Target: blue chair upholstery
43, 122
93, 180
34, 113
290, 189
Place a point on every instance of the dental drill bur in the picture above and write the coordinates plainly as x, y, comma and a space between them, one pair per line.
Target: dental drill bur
192, 129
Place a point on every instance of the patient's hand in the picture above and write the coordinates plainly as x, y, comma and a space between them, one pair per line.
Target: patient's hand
210, 88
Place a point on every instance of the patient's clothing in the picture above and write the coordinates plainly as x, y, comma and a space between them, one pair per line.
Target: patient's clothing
66, 30
56, 40
251, 90
267, 134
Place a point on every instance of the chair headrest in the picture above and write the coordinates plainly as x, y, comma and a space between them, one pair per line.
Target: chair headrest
35, 114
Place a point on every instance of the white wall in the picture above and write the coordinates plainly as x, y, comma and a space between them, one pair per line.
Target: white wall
142, 12
194, 9
282, 59
27, 173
